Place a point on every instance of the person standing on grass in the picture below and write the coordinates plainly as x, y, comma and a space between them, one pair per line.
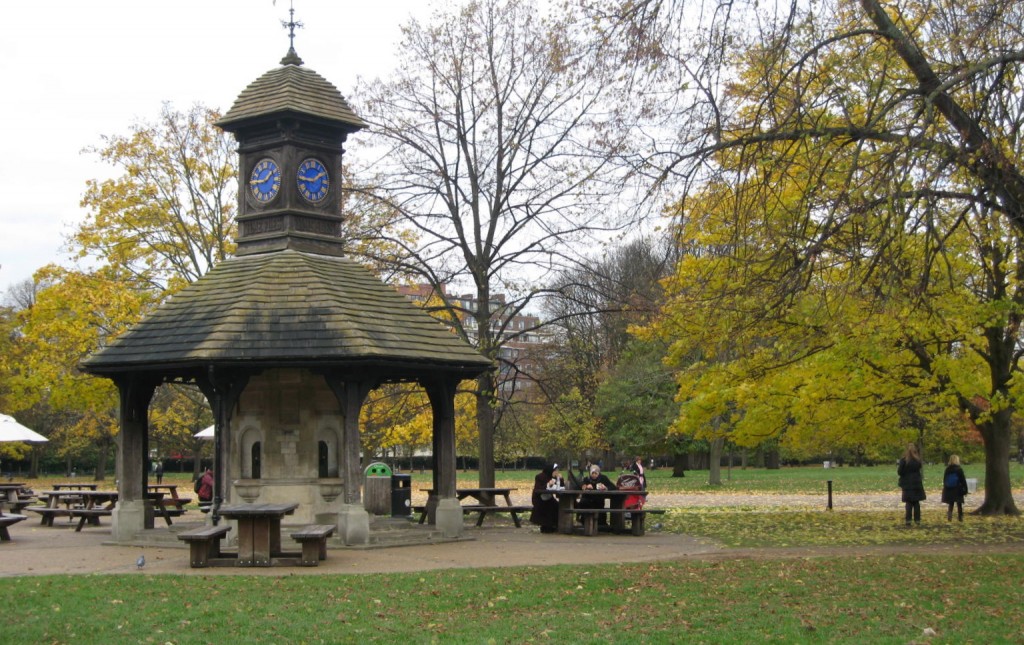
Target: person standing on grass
954, 487
911, 472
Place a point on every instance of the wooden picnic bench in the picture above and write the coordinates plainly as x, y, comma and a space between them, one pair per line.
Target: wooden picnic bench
313, 539
17, 506
92, 515
633, 516
487, 502
484, 510
6, 520
47, 513
204, 543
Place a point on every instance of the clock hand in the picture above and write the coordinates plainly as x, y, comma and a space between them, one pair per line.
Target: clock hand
265, 178
314, 178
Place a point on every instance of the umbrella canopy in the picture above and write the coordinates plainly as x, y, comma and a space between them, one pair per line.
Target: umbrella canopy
11, 430
206, 433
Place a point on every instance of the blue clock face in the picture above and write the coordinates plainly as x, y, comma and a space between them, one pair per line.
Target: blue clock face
265, 180
313, 180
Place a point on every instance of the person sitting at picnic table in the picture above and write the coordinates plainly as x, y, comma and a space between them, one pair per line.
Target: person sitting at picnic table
545, 506
595, 481
637, 467
205, 487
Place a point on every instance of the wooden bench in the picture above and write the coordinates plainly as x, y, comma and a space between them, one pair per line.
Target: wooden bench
7, 519
17, 507
633, 516
93, 515
514, 511
204, 543
49, 513
175, 502
313, 539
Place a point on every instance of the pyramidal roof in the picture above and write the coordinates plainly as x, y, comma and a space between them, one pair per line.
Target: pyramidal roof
288, 308
291, 88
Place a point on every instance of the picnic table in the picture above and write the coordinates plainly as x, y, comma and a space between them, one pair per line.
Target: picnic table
6, 520
85, 505
259, 531
486, 502
567, 510
13, 497
171, 501
75, 486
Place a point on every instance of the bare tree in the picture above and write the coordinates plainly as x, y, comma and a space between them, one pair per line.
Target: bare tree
493, 143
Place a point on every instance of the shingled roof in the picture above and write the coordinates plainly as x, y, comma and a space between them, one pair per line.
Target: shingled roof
289, 308
291, 88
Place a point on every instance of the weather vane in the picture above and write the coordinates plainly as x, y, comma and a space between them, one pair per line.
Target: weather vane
291, 25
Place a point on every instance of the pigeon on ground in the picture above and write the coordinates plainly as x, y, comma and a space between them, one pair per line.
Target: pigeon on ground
141, 562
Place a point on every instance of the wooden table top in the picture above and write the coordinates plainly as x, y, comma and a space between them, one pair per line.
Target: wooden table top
470, 491
253, 510
617, 491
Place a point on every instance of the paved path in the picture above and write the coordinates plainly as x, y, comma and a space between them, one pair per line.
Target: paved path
39, 550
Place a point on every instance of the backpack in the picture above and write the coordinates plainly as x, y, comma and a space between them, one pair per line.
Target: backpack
952, 480
630, 481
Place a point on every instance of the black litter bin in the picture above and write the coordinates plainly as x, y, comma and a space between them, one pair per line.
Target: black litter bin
401, 495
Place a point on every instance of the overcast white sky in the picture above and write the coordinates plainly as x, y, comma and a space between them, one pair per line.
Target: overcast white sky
73, 70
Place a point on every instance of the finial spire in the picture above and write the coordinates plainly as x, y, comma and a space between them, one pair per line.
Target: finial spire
291, 58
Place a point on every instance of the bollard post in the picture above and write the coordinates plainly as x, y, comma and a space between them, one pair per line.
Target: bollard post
830, 494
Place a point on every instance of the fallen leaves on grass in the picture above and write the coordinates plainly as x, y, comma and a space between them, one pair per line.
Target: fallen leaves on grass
791, 528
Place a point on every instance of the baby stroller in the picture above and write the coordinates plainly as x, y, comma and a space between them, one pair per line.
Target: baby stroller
631, 481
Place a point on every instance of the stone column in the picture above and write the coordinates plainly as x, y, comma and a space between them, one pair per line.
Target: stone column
353, 520
448, 514
129, 516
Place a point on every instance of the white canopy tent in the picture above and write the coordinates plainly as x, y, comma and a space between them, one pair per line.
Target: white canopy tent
11, 430
206, 433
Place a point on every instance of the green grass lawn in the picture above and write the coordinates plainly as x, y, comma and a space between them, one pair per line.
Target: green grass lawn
973, 595
889, 599
800, 479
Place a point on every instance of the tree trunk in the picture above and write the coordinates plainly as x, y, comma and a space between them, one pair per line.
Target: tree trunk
485, 426
715, 476
679, 463
996, 434
33, 467
101, 462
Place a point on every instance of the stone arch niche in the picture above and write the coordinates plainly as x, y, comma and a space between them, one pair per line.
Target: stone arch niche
289, 418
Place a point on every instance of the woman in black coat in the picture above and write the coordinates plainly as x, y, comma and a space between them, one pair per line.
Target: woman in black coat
911, 472
954, 487
596, 480
545, 506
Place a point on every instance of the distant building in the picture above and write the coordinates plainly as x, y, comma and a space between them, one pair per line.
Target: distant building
520, 335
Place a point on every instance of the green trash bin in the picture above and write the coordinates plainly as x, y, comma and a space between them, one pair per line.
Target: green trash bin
377, 489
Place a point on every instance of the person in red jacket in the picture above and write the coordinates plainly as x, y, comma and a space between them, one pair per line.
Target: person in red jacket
205, 486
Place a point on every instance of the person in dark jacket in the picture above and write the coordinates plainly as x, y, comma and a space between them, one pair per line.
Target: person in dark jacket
954, 487
545, 506
596, 480
911, 472
637, 467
